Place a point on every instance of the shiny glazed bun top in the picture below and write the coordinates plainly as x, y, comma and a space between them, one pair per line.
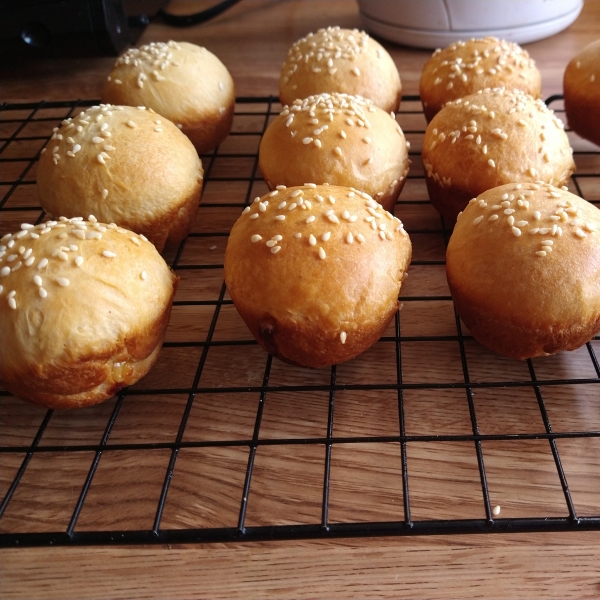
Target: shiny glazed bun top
340, 60
183, 82
488, 139
523, 265
337, 139
582, 92
125, 165
315, 272
84, 307
463, 68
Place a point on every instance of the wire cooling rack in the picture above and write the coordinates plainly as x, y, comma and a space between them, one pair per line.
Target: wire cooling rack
425, 433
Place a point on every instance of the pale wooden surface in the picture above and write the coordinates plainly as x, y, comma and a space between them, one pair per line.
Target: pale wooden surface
252, 40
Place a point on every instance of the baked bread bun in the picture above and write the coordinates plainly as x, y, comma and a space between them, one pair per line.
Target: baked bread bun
523, 266
84, 311
336, 139
125, 165
315, 272
582, 93
464, 68
488, 139
340, 60
183, 82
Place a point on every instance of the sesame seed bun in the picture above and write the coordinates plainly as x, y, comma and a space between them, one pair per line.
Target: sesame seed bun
582, 93
464, 68
183, 82
315, 272
84, 311
523, 266
336, 139
340, 60
125, 165
488, 139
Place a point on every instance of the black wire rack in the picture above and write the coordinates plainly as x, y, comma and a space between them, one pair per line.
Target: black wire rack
425, 433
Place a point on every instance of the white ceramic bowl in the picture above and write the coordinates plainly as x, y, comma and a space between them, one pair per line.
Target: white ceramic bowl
437, 23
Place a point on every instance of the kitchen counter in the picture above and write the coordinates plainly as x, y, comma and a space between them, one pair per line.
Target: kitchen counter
252, 40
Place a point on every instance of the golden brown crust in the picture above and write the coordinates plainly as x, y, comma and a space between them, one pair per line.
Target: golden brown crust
123, 165
324, 297
527, 282
183, 82
84, 310
464, 68
336, 139
340, 60
488, 139
582, 93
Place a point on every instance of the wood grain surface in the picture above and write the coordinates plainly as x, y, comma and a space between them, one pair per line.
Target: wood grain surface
287, 481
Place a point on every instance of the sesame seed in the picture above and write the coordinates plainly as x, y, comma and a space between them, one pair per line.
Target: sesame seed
280, 218
256, 238
509, 211
338, 150
496, 511
312, 240
307, 140
492, 217
541, 253
108, 254
310, 219
580, 233
42, 263
356, 71
262, 207
343, 134
511, 220
343, 337
296, 193
325, 237
42, 292
491, 163
62, 281
333, 218
350, 238
361, 238
522, 223
298, 235
516, 231
131, 124
332, 200
79, 260
322, 254
12, 303
478, 220
4, 271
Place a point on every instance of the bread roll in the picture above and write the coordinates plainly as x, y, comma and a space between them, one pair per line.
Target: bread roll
340, 60
84, 311
523, 266
315, 272
126, 165
183, 82
582, 93
488, 139
464, 68
336, 139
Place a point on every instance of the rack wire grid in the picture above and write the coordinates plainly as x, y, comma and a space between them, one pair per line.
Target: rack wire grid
425, 433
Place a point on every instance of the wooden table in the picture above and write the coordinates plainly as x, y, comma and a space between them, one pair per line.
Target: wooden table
252, 40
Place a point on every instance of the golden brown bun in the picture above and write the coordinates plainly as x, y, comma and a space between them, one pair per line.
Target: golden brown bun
582, 93
336, 139
126, 165
527, 283
315, 272
464, 68
84, 311
183, 82
488, 139
340, 60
